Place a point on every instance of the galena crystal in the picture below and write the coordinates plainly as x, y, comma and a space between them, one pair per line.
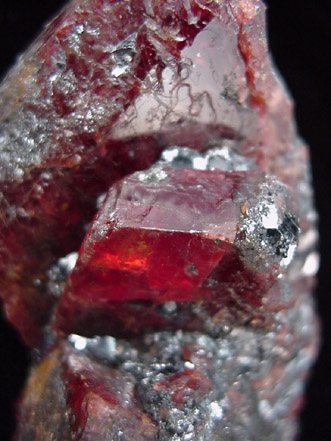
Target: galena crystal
156, 138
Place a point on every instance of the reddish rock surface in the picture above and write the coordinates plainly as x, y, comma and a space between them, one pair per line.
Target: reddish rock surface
173, 386
71, 397
155, 137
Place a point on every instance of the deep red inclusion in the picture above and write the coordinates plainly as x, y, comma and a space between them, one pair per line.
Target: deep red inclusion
190, 384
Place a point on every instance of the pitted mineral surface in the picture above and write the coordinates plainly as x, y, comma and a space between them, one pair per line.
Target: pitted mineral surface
157, 239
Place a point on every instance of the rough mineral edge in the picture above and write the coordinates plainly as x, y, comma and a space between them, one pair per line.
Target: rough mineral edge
89, 101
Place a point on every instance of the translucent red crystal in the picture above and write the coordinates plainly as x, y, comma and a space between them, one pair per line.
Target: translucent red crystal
168, 234
95, 397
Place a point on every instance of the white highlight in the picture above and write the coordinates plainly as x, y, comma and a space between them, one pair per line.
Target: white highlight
265, 409
290, 254
189, 365
100, 199
311, 265
216, 410
307, 240
270, 220
78, 341
119, 70
170, 307
200, 163
69, 261
170, 154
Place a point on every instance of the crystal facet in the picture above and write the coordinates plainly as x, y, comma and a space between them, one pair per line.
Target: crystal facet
213, 242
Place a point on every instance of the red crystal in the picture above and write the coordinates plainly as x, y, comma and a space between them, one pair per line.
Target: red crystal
87, 401
96, 397
168, 234
105, 89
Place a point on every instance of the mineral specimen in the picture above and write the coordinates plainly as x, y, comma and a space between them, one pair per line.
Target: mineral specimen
211, 242
165, 121
244, 385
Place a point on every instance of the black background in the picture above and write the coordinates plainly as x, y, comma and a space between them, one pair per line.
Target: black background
299, 35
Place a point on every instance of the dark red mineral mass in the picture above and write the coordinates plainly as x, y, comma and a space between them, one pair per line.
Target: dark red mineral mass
155, 137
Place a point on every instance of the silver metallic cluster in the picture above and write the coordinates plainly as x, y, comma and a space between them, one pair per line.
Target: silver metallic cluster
222, 158
268, 228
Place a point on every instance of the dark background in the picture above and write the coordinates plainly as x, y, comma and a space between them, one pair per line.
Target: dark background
299, 34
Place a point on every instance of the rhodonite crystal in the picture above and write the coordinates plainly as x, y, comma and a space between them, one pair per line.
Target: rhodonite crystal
157, 238
211, 242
